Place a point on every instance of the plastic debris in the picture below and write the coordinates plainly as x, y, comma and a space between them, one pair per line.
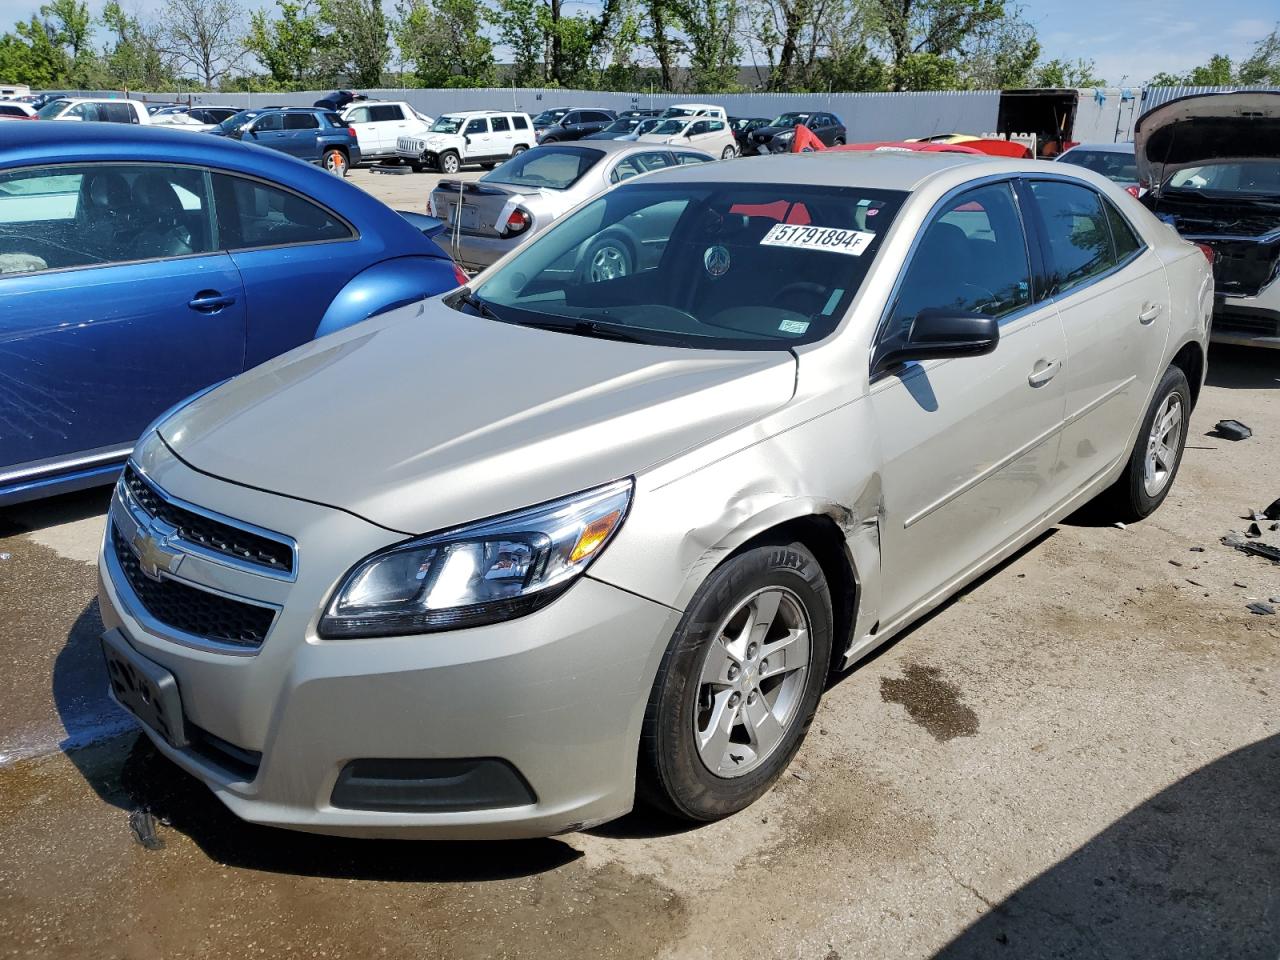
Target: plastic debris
1272, 512
5, 556
1254, 531
1119, 525
1176, 563
1253, 547
1232, 430
143, 824
1262, 609
1197, 549
1256, 515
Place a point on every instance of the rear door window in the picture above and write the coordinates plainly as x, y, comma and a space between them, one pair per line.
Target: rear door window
639, 163
1076, 231
501, 124
255, 214
972, 258
385, 112
1122, 233
58, 217
301, 121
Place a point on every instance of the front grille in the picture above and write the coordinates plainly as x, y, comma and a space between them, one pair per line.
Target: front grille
206, 532
197, 612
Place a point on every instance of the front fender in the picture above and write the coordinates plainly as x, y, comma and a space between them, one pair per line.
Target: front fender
385, 286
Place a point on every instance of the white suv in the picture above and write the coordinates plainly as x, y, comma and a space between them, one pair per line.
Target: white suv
380, 125
105, 110
486, 137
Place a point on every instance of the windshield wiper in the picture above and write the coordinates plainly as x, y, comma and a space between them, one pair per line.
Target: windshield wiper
481, 307
587, 328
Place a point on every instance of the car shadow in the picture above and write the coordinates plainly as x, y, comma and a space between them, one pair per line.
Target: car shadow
1190, 873
126, 771
1243, 368
54, 511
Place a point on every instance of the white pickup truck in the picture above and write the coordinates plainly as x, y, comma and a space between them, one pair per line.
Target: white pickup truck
380, 123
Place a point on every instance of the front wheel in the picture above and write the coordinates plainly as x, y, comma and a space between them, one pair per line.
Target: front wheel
335, 161
449, 162
1154, 460
608, 259
738, 684
728, 153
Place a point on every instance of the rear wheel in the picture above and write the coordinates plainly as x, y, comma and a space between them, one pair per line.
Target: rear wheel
738, 684
1154, 460
609, 258
449, 162
838, 142
728, 153
335, 161
518, 149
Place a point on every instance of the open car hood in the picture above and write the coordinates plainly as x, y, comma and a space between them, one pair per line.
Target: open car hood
1192, 131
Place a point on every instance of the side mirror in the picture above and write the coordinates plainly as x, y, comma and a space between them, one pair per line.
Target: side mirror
939, 333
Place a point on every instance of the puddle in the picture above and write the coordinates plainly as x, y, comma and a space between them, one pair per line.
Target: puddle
931, 702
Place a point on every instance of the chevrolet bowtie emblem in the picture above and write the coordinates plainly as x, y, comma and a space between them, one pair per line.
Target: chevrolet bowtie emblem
152, 545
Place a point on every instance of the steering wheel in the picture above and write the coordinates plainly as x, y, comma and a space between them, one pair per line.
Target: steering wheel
799, 288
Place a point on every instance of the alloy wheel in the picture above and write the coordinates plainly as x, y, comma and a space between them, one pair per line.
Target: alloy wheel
1163, 444
608, 263
752, 682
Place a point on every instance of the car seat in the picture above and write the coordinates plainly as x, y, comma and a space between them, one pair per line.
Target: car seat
161, 232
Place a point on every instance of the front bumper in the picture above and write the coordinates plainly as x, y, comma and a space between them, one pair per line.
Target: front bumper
1248, 321
558, 695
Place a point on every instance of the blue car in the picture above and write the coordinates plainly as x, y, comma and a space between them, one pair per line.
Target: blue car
320, 136
138, 266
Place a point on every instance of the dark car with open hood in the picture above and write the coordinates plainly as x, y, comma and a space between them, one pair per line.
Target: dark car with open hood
1212, 166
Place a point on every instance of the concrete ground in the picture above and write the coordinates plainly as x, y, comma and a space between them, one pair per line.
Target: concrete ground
1077, 757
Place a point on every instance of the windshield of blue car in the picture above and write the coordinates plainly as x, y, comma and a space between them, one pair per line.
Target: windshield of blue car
52, 109
550, 167
236, 121
1246, 178
448, 125
1122, 167
746, 266
790, 120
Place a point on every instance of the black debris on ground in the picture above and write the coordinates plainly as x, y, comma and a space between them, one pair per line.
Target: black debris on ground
1231, 430
143, 824
1262, 609
1272, 512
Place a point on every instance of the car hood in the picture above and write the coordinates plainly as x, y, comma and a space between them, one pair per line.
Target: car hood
424, 417
766, 133
1192, 131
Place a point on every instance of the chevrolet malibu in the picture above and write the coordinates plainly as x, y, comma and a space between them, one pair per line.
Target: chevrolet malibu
497, 563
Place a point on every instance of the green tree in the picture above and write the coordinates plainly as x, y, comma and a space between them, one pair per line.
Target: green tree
289, 44
71, 25
713, 49
924, 38
518, 29
1001, 55
31, 56
360, 44
1067, 73
135, 56
1217, 72
445, 42
1263, 65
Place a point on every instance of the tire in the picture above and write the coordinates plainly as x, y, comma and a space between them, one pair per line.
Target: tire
335, 161
838, 142
449, 162
701, 674
728, 153
608, 258
418, 166
518, 149
1138, 493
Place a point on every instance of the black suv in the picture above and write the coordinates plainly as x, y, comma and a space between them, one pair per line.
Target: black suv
575, 124
777, 136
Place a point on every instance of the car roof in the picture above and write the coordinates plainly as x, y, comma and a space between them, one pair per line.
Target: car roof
851, 168
1122, 147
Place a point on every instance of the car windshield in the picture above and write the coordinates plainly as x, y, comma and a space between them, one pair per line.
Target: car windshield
448, 125
790, 120
52, 109
1245, 178
669, 127
237, 120
750, 266
646, 126
552, 167
1112, 164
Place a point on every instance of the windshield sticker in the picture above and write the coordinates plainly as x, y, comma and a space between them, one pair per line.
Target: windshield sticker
829, 239
716, 260
793, 326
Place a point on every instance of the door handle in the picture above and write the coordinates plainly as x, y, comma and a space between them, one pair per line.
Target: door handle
1045, 370
210, 301
1150, 313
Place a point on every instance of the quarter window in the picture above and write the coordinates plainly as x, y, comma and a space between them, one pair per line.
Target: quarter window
53, 218
521, 123
1077, 231
1122, 235
971, 258
253, 214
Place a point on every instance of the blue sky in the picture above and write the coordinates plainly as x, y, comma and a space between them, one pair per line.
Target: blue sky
1130, 40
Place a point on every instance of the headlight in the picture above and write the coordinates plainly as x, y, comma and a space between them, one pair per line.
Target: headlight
482, 573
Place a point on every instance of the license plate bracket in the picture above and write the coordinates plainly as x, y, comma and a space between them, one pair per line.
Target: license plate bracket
144, 688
